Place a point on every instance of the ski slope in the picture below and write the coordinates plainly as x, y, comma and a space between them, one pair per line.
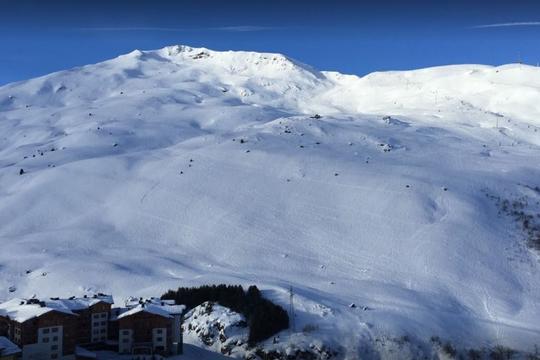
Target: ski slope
185, 166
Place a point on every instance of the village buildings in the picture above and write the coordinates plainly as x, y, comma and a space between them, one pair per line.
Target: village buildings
60, 328
41, 330
93, 316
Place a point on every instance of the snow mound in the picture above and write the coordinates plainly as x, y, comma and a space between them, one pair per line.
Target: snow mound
217, 328
213, 326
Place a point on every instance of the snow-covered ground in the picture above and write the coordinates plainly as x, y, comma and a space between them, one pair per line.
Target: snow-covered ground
184, 166
212, 326
190, 353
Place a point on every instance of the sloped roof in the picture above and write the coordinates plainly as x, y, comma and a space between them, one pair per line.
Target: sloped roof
134, 301
22, 310
81, 303
167, 305
7, 347
82, 352
148, 308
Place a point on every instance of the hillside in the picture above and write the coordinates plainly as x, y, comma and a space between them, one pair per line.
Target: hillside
186, 166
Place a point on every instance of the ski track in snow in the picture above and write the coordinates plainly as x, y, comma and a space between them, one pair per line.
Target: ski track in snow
379, 202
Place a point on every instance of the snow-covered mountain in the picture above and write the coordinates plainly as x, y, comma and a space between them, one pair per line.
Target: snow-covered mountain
407, 196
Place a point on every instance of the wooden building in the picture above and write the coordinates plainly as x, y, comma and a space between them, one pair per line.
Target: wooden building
67, 328
150, 329
93, 316
40, 330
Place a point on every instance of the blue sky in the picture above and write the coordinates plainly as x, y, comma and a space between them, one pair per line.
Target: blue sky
38, 37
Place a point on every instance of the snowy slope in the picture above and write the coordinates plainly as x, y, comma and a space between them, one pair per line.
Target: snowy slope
186, 166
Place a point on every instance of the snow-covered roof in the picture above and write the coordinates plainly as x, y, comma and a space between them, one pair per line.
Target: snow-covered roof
134, 301
22, 310
82, 352
7, 347
148, 308
167, 305
152, 305
80, 303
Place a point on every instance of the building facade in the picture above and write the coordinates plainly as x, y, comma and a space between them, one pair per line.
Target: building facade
63, 328
42, 332
93, 316
150, 328
144, 333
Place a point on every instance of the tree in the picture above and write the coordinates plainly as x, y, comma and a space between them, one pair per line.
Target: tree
264, 317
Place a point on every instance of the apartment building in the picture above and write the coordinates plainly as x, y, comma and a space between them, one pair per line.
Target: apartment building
42, 331
93, 316
62, 328
150, 328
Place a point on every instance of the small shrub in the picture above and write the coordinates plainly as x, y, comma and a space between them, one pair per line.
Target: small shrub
520, 211
501, 353
449, 350
474, 354
403, 340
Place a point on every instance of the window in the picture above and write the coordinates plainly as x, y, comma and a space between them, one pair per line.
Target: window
103, 331
46, 331
55, 338
95, 316
159, 339
54, 356
103, 323
104, 315
159, 331
54, 347
96, 331
125, 340
45, 340
54, 329
125, 332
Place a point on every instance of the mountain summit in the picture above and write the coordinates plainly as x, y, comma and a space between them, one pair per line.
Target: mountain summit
412, 194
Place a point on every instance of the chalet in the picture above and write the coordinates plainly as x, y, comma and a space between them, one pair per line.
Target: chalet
93, 319
150, 328
41, 330
8, 350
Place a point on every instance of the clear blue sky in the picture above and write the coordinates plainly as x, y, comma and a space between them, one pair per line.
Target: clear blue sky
38, 37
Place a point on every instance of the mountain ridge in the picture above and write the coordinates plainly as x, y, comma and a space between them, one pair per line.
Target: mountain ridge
141, 174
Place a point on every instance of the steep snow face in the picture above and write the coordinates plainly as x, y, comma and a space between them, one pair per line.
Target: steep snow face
186, 166
216, 327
